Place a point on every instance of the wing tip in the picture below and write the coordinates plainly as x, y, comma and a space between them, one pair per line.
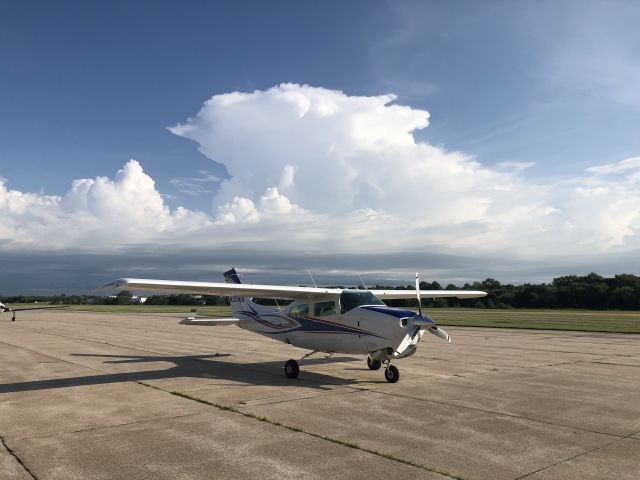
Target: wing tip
117, 283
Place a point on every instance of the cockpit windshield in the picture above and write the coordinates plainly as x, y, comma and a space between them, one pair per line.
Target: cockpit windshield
350, 299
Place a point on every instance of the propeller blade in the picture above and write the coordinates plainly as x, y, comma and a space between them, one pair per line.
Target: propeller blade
438, 332
418, 293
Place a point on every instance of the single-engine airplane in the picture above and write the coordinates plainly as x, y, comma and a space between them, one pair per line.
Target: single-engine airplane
5, 308
329, 320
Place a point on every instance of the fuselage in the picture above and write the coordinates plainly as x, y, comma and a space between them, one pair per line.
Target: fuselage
356, 322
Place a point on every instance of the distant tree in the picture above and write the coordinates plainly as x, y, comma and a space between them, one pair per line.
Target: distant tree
157, 300
124, 297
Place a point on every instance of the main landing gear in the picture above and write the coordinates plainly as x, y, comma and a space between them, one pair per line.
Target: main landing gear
373, 364
391, 373
291, 369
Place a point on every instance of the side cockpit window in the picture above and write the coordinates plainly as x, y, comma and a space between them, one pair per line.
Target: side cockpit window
324, 309
299, 310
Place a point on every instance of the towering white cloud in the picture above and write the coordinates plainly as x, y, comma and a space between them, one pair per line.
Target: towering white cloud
341, 156
317, 170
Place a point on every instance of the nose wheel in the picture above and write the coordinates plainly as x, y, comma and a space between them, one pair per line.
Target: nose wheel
391, 373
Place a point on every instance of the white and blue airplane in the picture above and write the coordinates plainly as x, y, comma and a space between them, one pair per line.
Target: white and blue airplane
329, 320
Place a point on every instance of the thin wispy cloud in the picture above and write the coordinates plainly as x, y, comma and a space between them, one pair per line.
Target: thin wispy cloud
591, 51
515, 165
205, 184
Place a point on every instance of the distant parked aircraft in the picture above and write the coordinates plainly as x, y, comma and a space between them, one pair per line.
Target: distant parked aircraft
330, 320
4, 308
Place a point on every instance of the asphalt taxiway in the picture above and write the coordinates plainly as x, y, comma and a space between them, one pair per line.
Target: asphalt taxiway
110, 396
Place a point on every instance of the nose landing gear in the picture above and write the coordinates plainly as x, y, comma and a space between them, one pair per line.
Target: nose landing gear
391, 373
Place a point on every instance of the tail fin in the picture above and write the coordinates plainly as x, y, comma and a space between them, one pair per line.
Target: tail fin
238, 304
230, 276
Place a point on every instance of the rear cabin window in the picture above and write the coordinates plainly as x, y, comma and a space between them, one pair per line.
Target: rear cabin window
350, 299
324, 309
299, 310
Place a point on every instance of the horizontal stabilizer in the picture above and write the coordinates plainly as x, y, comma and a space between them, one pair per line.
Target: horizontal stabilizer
209, 321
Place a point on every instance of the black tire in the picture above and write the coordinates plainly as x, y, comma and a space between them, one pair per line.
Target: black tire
291, 369
373, 364
392, 374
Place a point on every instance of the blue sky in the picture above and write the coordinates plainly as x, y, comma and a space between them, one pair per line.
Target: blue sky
86, 86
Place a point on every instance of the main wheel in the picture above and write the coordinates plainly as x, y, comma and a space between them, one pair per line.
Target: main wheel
373, 364
291, 369
392, 374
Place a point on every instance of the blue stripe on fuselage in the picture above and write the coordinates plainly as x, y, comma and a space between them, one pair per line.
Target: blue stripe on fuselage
311, 325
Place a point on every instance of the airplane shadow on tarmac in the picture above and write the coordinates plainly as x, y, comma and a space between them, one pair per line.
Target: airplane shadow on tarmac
195, 366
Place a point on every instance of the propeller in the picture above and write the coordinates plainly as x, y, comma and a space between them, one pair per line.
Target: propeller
425, 322
418, 293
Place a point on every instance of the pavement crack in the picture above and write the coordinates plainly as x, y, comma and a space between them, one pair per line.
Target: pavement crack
115, 425
617, 364
337, 441
509, 415
575, 456
18, 459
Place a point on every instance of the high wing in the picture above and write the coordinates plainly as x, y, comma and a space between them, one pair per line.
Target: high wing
224, 289
397, 294
272, 291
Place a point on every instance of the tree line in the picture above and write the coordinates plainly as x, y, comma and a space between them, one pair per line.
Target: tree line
124, 297
593, 291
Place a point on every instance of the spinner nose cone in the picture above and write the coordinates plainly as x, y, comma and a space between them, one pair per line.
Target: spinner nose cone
423, 321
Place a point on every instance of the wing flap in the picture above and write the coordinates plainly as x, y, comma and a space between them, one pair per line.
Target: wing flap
399, 294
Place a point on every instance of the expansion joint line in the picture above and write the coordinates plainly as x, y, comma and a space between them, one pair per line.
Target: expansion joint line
311, 434
630, 436
18, 459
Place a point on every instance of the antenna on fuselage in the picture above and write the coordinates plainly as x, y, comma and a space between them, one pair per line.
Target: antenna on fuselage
311, 277
363, 284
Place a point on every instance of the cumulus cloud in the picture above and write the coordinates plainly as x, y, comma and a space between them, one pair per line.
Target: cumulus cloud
95, 213
355, 161
318, 171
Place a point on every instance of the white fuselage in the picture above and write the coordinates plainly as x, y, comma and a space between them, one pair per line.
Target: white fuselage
361, 330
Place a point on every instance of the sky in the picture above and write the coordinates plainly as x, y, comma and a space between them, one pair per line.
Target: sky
463, 140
